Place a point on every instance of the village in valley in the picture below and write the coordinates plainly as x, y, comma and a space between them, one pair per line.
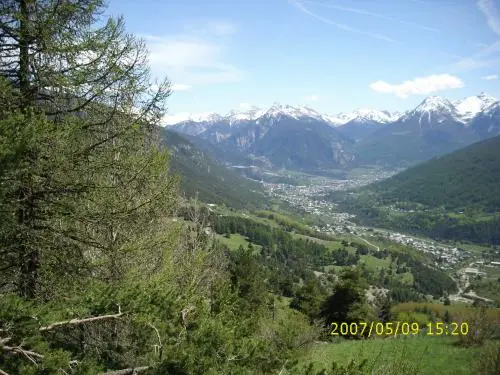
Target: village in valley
315, 199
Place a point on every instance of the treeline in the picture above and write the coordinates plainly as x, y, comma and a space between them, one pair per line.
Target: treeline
427, 280
297, 252
290, 225
472, 225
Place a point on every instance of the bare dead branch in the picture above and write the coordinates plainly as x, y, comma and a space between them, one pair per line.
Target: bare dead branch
184, 313
28, 354
127, 371
81, 321
159, 347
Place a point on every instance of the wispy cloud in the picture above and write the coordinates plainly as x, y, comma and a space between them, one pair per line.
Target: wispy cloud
304, 10
490, 77
490, 11
190, 60
312, 98
376, 15
419, 86
487, 56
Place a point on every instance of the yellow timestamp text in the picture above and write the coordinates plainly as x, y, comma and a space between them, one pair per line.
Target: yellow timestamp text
368, 329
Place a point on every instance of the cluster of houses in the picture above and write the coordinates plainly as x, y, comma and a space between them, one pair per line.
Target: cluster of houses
305, 197
446, 256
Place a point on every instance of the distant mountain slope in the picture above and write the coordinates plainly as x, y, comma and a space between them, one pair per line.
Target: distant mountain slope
284, 136
219, 154
361, 129
487, 123
464, 178
302, 138
452, 197
304, 145
433, 128
212, 182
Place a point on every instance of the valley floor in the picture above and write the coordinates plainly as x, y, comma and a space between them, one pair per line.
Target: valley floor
462, 261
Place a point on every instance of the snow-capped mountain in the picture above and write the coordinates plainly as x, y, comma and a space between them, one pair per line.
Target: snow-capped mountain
235, 116
363, 115
191, 117
436, 109
302, 137
278, 110
433, 109
487, 122
470, 107
285, 135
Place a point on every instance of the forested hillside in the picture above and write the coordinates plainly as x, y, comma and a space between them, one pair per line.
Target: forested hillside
201, 176
456, 196
463, 179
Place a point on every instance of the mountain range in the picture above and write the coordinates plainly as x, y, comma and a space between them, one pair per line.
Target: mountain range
302, 138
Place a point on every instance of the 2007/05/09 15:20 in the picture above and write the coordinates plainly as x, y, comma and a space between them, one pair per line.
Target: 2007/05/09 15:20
399, 328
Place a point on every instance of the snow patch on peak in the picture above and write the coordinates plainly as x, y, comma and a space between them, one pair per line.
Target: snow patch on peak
364, 114
188, 117
435, 104
297, 113
472, 105
432, 108
248, 115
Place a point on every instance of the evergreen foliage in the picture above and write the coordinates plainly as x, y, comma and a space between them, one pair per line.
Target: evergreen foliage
97, 274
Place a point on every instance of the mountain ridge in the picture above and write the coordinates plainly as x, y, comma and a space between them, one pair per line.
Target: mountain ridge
305, 139
467, 107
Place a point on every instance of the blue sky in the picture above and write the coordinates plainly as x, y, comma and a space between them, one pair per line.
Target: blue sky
331, 55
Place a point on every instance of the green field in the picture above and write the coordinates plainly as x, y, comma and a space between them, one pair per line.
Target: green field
425, 355
374, 263
488, 285
235, 241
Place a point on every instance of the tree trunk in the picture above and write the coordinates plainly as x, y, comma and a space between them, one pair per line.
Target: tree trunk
29, 258
24, 53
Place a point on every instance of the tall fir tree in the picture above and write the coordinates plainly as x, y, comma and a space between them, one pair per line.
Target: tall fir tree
85, 121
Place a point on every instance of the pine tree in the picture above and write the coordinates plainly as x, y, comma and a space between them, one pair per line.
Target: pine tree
82, 107
348, 302
85, 194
